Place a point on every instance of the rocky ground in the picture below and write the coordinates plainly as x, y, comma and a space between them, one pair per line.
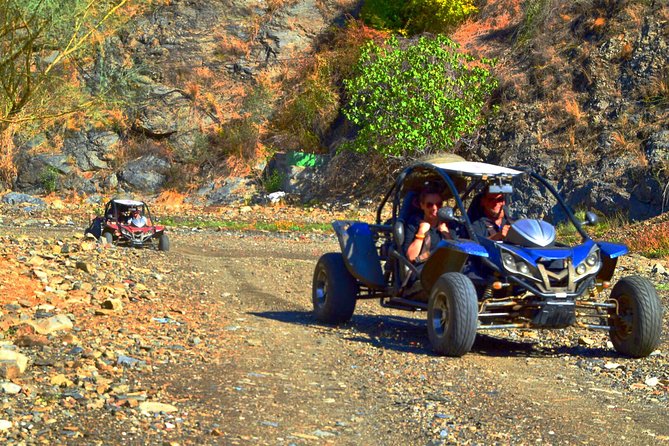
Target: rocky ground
214, 343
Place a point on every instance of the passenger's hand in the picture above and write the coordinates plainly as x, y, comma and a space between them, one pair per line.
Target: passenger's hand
443, 229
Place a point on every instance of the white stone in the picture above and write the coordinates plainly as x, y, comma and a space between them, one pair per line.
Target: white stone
13, 357
10, 388
5, 424
154, 407
54, 323
652, 381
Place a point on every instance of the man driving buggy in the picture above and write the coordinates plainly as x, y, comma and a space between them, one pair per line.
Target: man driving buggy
491, 221
136, 218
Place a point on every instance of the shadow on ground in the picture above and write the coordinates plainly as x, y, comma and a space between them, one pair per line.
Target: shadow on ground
405, 334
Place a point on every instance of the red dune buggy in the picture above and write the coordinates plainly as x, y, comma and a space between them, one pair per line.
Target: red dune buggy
129, 223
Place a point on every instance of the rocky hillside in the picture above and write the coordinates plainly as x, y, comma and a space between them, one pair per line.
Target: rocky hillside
584, 99
186, 68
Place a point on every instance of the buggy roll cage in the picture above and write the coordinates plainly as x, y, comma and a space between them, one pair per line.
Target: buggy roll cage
444, 175
114, 208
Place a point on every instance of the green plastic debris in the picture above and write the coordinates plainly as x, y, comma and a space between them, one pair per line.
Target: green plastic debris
302, 159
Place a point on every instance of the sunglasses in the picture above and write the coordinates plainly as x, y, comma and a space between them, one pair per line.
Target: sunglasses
430, 204
496, 200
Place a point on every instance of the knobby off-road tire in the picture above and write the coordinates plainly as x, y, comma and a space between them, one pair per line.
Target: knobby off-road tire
334, 290
108, 238
637, 327
452, 315
163, 243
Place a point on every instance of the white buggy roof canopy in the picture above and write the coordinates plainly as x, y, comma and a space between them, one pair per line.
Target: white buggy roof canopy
129, 202
476, 169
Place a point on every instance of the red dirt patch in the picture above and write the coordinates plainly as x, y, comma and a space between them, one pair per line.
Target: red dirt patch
14, 284
481, 35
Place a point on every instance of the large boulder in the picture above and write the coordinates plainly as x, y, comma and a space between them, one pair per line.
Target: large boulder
231, 191
292, 172
42, 172
165, 112
657, 150
16, 198
91, 150
147, 173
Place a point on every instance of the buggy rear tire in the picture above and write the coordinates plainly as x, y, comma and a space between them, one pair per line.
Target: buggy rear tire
334, 290
108, 238
163, 242
452, 315
637, 325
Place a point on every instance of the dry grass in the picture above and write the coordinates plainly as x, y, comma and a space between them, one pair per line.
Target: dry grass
7, 167
573, 109
652, 240
232, 47
273, 6
656, 92
628, 145
626, 51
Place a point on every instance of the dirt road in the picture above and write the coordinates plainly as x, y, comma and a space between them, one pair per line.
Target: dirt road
250, 366
288, 380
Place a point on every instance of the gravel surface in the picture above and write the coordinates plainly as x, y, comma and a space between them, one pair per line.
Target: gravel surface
214, 343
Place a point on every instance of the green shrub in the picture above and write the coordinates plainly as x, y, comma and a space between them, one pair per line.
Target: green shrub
48, 178
383, 14
437, 15
420, 98
272, 182
416, 16
238, 137
536, 12
304, 120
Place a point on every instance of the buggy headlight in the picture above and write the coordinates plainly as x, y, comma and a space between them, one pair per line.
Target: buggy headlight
508, 260
515, 265
589, 266
592, 259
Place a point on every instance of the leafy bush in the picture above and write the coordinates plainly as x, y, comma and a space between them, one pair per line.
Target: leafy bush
304, 119
49, 178
416, 16
239, 138
416, 98
272, 182
437, 15
383, 14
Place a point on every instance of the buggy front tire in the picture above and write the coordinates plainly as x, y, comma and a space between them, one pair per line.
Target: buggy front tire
108, 238
452, 315
163, 243
334, 290
636, 326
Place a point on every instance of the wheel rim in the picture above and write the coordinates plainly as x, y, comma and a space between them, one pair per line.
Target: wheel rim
321, 289
624, 320
440, 315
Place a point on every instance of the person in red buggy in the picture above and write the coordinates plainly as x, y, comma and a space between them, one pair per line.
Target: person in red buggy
128, 223
137, 219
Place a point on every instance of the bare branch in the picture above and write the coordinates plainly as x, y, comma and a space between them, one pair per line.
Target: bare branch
79, 42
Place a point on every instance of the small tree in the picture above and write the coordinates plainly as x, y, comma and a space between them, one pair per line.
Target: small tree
416, 98
38, 39
437, 15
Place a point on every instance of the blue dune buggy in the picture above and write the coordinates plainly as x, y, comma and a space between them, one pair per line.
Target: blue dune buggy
471, 283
